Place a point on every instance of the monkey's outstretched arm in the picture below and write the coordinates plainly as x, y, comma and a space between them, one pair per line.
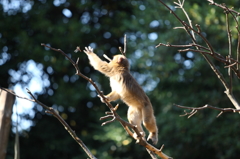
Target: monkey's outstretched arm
96, 62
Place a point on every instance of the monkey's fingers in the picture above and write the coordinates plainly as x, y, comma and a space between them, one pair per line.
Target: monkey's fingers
90, 48
86, 50
101, 98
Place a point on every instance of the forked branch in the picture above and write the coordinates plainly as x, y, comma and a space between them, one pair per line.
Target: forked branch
232, 64
196, 109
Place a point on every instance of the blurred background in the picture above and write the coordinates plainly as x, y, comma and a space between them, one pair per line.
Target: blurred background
166, 75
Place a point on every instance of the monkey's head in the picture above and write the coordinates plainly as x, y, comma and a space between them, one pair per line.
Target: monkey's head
121, 61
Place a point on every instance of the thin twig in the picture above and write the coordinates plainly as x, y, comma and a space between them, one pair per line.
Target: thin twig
125, 46
195, 109
9, 91
238, 51
223, 7
216, 56
106, 57
234, 14
184, 11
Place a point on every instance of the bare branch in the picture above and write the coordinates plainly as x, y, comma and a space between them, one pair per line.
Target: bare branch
195, 109
55, 113
229, 48
223, 7
228, 61
234, 14
106, 57
78, 49
238, 51
230, 65
125, 46
120, 49
188, 28
229, 34
9, 91
184, 11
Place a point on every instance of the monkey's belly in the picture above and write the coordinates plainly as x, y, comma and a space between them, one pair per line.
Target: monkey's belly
131, 94
116, 86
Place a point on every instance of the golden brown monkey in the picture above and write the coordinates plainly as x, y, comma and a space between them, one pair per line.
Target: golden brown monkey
126, 88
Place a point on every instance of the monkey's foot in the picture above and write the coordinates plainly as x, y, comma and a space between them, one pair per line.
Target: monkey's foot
137, 138
153, 137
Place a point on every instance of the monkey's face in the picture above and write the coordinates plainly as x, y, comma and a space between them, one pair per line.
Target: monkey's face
121, 60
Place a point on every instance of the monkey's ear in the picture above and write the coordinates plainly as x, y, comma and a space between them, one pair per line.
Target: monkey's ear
119, 60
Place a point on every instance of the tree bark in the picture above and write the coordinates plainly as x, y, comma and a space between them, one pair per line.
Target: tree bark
6, 104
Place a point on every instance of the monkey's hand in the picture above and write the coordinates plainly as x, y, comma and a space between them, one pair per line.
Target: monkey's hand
88, 50
101, 98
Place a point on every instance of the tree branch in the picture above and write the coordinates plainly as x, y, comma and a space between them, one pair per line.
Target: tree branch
229, 48
223, 7
125, 46
195, 110
55, 113
188, 28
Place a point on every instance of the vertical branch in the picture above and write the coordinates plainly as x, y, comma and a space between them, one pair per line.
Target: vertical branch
229, 35
125, 46
229, 49
238, 44
184, 11
234, 14
238, 51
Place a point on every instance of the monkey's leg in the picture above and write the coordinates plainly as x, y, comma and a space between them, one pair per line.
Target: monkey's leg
135, 118
149, 122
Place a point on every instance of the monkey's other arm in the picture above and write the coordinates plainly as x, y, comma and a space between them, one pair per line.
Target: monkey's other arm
96, 62
110, 97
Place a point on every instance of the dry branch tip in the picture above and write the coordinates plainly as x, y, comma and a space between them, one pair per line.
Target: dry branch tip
161, 148
77, 49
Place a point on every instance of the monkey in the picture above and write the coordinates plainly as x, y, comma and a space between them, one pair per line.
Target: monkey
126, 88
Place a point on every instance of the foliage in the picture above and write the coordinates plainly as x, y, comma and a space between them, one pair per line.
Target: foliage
166, 75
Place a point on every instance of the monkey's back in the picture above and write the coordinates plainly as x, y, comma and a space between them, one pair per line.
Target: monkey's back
129, 90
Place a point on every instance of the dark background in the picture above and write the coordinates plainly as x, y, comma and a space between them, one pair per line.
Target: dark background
166, 75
